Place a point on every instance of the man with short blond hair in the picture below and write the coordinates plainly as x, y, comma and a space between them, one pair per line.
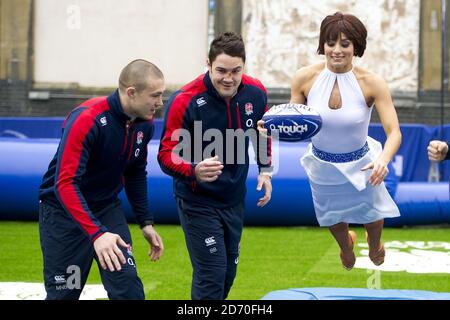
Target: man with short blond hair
103, 149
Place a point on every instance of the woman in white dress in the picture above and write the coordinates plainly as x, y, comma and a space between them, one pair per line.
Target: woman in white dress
346, 168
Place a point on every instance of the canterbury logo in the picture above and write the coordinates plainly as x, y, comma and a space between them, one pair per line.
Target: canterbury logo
201, 102
103, 121
210, 241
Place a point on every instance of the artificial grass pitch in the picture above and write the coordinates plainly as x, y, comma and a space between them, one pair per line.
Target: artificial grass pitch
272, 258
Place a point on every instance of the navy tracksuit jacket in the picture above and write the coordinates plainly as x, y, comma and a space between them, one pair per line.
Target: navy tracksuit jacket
100, 152
199, 101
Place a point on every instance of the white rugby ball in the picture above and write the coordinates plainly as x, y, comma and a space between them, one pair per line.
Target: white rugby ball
292, 122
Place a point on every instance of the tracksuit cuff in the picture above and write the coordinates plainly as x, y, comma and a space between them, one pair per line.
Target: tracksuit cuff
96, 235
146, 223
266, 171
447, 157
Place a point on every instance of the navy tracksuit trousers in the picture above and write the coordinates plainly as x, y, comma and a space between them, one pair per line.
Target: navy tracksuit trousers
212, 238
68, 255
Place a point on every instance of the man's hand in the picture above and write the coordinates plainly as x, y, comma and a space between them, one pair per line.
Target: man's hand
264, 181
437, 150
155, 241
261, 129
208, 170
108, 252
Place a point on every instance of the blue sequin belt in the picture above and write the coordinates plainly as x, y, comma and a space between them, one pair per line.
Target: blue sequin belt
341, 157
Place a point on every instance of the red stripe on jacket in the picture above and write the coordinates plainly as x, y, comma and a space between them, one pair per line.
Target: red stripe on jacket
166, 157
85, 104
69, 165
254, 82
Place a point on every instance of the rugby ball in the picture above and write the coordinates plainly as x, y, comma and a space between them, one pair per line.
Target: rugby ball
292, 122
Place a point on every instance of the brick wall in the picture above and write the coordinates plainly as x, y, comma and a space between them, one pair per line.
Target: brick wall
13, 98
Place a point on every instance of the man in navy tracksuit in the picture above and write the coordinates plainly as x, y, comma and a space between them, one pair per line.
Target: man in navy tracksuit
103, 149
200, 148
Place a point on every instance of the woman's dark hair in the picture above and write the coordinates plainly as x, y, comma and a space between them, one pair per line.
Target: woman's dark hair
333, 25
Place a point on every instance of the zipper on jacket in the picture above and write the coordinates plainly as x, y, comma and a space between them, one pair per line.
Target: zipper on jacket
131, 146
229, 116
193, 185
238, 116
127, 131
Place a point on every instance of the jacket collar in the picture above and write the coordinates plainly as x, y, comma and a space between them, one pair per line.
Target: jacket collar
116, 107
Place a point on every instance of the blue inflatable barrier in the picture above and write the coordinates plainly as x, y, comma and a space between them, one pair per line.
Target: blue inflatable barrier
42, 127
24, 161
354, 294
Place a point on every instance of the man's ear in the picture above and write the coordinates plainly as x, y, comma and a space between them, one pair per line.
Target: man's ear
131, 91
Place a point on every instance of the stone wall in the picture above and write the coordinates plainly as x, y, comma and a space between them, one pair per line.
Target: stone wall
282, 36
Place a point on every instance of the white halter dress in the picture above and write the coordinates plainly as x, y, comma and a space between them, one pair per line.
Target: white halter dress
334, 158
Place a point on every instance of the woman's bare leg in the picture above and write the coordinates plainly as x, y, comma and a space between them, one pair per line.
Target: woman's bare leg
346, 240
373, 235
